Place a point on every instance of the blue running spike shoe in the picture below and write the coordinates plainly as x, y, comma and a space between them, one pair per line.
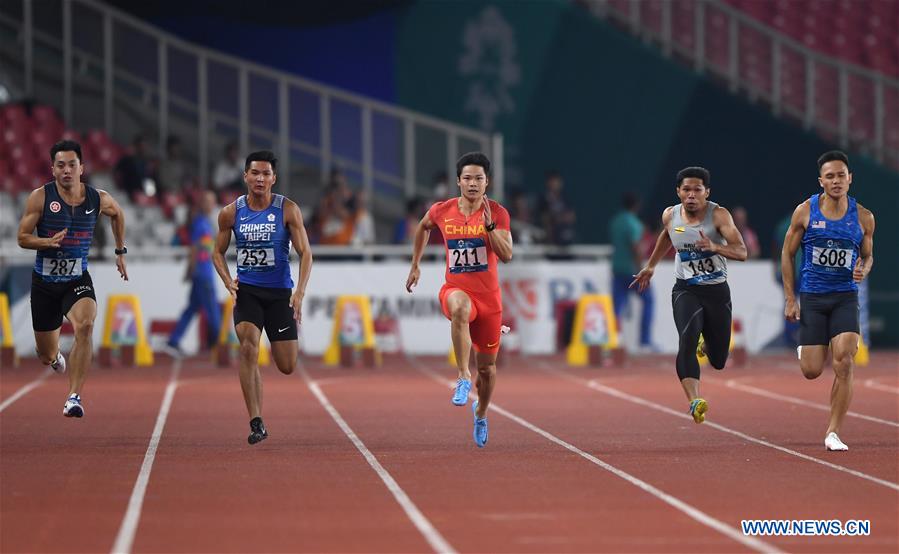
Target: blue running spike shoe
460, 396
480, 426
698, 408
73, 407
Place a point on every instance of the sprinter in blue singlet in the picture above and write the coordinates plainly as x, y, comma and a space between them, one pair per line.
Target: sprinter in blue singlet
64, 213
837, 238
264, 224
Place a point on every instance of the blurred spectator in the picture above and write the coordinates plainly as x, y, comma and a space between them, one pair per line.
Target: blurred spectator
741, 220
523, 229
228, 172
335, 215
626, 232
134, 168
558, 217
173, 172
363, 222
201, 275
404, 230
440, 189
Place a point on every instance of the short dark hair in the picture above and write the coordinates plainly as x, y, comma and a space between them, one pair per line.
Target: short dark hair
695, 172
831, 156
262, 156
472, 158
65, 146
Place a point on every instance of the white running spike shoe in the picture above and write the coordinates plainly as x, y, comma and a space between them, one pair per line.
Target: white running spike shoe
833, 442
73, 407
59, 364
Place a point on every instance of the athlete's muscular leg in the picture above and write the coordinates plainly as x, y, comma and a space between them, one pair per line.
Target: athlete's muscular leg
844, 347
811, 359
459, 306
82, 316
47, 344
285, 354
250, 380
486, 380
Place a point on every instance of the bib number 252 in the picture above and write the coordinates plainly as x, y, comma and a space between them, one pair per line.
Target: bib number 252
255, 257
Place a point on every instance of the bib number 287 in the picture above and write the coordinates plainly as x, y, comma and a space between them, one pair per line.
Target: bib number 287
62, 267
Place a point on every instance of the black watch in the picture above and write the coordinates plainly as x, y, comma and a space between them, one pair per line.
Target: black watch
490, 227
120, 251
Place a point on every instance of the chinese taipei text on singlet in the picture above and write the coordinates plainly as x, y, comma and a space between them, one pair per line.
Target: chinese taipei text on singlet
263, 245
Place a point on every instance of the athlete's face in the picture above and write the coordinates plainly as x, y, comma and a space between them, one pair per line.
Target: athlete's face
473, 182
260, 178
67, 169
693, 194
835, 179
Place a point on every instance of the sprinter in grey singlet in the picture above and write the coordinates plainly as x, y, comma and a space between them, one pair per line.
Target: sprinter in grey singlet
704, 236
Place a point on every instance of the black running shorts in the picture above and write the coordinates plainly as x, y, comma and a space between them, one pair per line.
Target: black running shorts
266, 308
824, 316
51, 301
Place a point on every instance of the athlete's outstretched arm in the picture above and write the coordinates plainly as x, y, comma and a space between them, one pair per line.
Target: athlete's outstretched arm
294, 219
792, 240
866, 251
422, 234
735, 249
663, 245
111, 208
222, 241
33, 210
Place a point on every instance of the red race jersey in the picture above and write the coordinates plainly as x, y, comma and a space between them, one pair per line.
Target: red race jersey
471, 263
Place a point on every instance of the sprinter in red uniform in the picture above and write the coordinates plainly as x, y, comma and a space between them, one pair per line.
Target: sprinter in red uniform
476, 234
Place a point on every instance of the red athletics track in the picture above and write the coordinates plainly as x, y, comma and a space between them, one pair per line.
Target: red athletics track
540, 485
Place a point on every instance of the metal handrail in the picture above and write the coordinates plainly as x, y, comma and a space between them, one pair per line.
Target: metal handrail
279, 134
778, 41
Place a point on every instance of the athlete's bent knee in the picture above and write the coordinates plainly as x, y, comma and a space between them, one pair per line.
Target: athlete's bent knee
287, 367
460, 312
810, 371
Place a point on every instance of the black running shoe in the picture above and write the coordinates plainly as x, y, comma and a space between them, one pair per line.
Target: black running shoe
257, 431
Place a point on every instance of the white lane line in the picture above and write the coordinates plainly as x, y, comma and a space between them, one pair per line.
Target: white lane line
872, 384
692, 512
427, 530
26, 389
125, 538
595, 385
734, 384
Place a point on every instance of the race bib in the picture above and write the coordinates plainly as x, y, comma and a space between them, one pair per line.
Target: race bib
466, 255
255, 257
832, 257
61, 267
704, 266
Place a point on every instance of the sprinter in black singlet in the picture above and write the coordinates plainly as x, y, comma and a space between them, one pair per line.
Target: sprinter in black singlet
64, 213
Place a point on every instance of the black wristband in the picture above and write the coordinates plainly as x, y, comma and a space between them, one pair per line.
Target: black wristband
121, 251
490, 227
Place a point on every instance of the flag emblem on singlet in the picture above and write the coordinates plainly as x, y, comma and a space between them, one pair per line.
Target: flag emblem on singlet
819, 225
